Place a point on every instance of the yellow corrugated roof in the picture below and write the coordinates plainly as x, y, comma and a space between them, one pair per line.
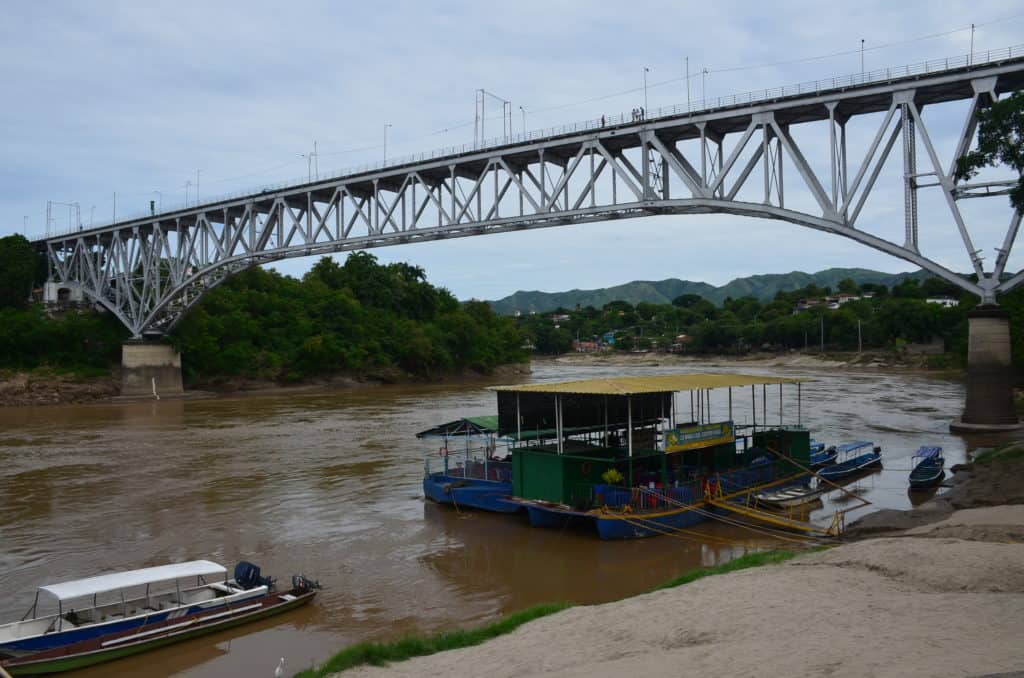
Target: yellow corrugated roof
663, 383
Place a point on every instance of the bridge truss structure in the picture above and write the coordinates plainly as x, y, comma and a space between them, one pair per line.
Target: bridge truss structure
727, 157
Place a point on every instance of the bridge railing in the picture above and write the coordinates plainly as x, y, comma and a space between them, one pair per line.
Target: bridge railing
706, 105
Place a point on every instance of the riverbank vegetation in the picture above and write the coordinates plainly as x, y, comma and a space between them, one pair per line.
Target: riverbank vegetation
81, 345
930, 315
361, 319
379, 654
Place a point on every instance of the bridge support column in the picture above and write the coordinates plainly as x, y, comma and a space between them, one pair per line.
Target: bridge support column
989, 404
150, 368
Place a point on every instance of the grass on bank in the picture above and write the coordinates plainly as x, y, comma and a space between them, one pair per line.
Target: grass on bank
378, 654
1000, 454
741, 563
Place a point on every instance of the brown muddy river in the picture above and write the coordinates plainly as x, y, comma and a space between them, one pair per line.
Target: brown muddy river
329, 484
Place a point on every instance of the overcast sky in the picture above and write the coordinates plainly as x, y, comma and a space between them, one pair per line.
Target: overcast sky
105, 97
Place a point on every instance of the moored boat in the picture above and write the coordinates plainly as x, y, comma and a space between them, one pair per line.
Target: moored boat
618, 457
824, 456
853, 463
793, 495
470, 467
929, 471
116, 615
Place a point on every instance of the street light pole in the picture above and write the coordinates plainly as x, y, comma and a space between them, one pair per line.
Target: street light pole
523, 111
703, 97
197, 185
188, 183
386, 125
862, 56
687, 84
645, 90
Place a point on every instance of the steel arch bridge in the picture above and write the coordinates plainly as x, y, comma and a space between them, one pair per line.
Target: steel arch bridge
726, 156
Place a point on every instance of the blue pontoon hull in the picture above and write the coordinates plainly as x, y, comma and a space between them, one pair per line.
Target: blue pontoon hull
484, 495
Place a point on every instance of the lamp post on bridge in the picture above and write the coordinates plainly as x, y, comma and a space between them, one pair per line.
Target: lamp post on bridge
188, 183
386, 125
646, 69
523, 111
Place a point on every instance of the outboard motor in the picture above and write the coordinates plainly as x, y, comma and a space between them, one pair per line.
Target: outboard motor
247, 575
300, 584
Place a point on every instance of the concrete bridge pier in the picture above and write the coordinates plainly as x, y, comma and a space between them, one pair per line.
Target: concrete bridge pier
989, 404
150, 369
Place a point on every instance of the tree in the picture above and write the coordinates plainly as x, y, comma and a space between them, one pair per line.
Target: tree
686, 300
1000, 140
19, 267
848, 286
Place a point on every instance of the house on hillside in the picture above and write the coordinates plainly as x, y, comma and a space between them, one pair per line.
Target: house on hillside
944, 300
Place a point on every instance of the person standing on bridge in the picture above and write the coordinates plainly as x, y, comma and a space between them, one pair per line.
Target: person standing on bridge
602, 121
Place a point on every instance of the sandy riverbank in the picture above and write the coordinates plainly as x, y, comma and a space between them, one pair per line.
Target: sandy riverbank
25, 389
942, 598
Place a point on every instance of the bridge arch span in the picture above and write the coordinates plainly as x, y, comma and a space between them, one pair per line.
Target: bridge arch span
728, 157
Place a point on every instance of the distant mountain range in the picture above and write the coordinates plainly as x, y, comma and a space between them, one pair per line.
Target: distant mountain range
762, 287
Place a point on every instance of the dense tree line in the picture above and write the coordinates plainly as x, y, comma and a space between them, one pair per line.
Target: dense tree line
353, 318
29, 338
888, 319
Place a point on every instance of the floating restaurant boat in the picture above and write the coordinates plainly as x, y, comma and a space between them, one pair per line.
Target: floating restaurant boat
929, 471
617, 455
853, 465
116, 615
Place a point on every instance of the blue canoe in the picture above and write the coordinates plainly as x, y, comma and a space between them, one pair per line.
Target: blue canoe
855, 464
929, 471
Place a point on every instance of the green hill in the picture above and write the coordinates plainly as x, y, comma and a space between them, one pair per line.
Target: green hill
761, 287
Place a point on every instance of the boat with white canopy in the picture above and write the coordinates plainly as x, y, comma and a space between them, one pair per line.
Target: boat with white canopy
113, 615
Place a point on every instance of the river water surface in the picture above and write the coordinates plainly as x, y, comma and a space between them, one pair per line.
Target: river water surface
329, 484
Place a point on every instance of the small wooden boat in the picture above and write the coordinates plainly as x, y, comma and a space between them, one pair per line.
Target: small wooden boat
852, 465
929, 471
794, 495
115, 615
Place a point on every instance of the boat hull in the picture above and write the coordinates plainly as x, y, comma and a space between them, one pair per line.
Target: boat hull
484, 495
790, 497
140, 639
927, 474
639, 525
68, 637
852, 467
617, 524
